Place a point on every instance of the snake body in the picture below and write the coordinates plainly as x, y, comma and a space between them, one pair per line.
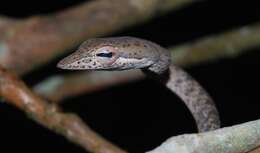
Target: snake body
122, 53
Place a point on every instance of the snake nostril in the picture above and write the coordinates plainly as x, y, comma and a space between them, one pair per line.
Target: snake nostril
60, 64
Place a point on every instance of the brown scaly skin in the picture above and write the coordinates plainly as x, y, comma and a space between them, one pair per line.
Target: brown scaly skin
122, 53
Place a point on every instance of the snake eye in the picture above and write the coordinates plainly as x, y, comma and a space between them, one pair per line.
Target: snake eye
105, 54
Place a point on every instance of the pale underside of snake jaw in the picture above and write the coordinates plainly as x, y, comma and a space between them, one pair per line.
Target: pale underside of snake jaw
120, 64
122, 53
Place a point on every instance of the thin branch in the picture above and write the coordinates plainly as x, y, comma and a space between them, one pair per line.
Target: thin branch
236, 139
226, 45
59, 87
34, 41
70, 126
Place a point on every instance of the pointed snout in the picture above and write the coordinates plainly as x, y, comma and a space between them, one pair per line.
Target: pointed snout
73, 63
68, 62
63, 64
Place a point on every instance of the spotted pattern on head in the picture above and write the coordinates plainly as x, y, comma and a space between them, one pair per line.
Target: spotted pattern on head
112, 53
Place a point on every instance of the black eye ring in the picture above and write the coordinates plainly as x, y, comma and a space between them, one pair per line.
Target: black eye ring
108, 55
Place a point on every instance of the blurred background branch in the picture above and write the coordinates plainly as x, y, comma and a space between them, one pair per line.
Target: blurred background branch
57, 88
226, 45
16, 93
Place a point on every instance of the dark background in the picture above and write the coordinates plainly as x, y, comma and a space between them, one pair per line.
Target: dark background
139, 116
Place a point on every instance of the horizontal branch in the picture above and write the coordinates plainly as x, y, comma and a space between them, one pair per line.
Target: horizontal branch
70, 126
59, 87
236, 139
226, 45
34, 41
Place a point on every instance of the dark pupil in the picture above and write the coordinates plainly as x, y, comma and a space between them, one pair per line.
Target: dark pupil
109, 55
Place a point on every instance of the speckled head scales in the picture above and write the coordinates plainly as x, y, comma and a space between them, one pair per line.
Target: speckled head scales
118, 53
85, 57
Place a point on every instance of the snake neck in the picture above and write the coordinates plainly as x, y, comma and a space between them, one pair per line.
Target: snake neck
163, 62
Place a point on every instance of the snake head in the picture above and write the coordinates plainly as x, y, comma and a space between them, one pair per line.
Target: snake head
120, 53
97, 54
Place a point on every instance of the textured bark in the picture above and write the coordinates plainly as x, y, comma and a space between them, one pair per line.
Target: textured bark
236, 139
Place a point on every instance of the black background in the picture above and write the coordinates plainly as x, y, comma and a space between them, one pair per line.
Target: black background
139, 116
